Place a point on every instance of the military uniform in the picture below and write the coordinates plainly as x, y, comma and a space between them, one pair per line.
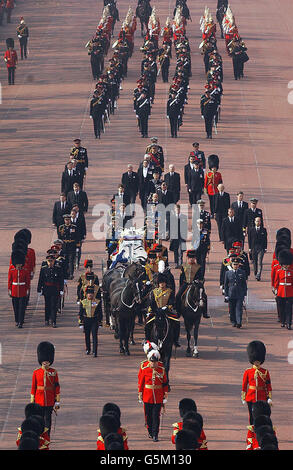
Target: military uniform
68, 234
81, 157
18, 288
256, 382
211, 182
152, 388
51, 284
283, 287
45, 389
91, 315
202, 441
23, 35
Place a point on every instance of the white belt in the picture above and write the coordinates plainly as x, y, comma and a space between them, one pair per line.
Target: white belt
285, 284
18, 283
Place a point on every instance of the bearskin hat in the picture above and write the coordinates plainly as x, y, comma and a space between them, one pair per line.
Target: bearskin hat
278, 248
283, 232
285, 257
20, 245
114, 441
185, 405
46, 352
10, 42
24, 233
33, 409
108, 424
213, 161
111, 408
261, 407
284, 240
18, 257
256, 351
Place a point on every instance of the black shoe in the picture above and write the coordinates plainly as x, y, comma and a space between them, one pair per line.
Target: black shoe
87, 352
20, 325
95, 355
283, 325
206, 316
150, 436
238, 325
54, 325
289, 327
16, 324
233, 324
177, 345
155, 439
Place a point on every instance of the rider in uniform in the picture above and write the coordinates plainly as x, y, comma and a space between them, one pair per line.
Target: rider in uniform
162, 297
91, 315
190, 272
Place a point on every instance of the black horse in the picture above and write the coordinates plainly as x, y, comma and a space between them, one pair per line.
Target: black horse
123, 296
221, 10
193, 302
162, 332
110, 276
185, 10
143, 12
135, 271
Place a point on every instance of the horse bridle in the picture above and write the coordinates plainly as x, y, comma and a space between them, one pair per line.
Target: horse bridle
200, 297
161, 342
121, 297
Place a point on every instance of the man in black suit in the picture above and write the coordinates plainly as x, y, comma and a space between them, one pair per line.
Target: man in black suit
164, 195
250, 215
195, 182
130, 183
187, 170
79, 197
145, 185
172, 180
231, 229
69, 176
240, 207
122, 196
61, 207
257, 242
222, 204
178, 235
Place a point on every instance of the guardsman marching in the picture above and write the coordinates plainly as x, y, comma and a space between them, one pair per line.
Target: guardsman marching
18, 285
186, 405
10, 57
68, 234
51, 285
35, 410
143, 111
212, 179
164, 61
24, 236
91, 316
256, 383
283, 287
45, 390
22, 34
152, 391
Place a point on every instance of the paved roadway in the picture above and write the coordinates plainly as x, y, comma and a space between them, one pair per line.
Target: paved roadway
40, 116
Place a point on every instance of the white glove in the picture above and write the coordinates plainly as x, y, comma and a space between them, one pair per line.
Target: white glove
243, 402
202, 117
270, 402
61, 292
78, 303
65, 282
81, 327
164, 308
91, 117
39, 295
165, 401
147, 283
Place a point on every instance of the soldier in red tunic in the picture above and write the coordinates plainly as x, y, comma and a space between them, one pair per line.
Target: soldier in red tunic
212, 179
34, 410
152, 391
112, 409
256, 384
283, 287
45, 383
10, 57
24, 236
18, 285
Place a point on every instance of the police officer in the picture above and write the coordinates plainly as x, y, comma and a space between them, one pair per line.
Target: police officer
235, 287
51, 285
